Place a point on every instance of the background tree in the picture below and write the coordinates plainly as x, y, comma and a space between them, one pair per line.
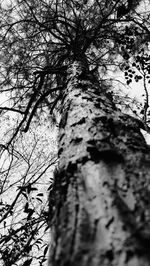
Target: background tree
26, 176
56, 59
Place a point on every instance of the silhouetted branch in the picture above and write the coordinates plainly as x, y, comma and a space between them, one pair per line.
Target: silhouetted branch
42, 97
11, 109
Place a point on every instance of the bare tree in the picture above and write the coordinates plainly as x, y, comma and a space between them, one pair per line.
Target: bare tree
56, 57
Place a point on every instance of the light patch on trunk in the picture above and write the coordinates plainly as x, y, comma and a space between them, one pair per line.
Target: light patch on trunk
146, 136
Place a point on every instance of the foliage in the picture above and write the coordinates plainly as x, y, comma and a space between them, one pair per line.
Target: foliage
26, 175
137, 68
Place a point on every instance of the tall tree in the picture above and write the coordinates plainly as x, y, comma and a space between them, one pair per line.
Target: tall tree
56, 58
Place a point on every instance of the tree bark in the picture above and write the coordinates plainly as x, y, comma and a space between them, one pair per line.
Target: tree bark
101, 197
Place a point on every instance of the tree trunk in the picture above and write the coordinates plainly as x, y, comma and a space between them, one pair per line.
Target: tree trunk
102, 186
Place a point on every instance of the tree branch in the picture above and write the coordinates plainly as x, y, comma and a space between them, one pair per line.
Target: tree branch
11, 109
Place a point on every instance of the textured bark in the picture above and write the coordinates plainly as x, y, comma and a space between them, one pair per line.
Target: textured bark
102, 186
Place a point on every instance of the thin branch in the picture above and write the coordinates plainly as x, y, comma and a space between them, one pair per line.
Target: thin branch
55, 102
42, 97
146, 105
11, 207
11, 109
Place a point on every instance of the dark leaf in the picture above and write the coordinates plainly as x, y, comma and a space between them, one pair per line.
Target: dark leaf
40, 194
25, 195
129, 81
26, 207
27, 262
45, 250
33, 188
39, 200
